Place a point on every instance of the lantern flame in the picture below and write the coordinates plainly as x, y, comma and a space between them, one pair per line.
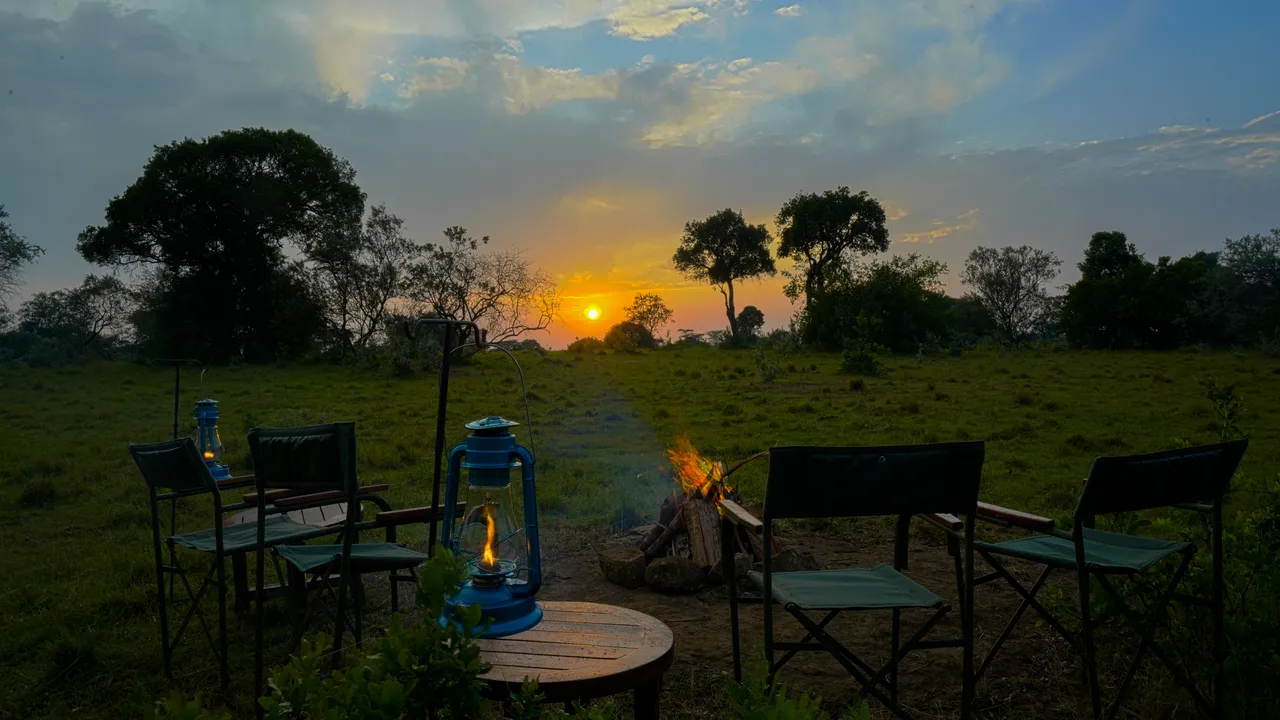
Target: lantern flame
695, 473
208, 454
490, 561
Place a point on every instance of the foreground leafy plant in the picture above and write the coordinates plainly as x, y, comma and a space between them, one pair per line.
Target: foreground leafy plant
761, 697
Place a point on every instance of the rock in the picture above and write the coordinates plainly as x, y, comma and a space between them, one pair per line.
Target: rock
674, 574
741, 564
640, 531
622, 563
792, 559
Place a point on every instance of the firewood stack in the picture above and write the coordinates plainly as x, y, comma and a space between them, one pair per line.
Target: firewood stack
682, 551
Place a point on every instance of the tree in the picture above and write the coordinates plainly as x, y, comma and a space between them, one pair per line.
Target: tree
214, 217
897, 304
823, 232
501, 292
648, 311
357, 271
15, 253
1106, 307
750, 320
722, 250
1010, 282
80, 317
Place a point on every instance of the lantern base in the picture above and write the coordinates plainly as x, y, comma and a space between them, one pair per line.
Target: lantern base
218, 470
506, 613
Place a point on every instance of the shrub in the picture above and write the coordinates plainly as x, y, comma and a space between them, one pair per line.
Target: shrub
768, 369
628, 337
587, 346
759, 697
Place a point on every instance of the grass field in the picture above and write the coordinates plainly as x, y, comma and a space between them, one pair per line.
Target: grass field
77, 605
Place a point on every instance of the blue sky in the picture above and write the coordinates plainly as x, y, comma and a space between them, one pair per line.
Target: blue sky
588, 131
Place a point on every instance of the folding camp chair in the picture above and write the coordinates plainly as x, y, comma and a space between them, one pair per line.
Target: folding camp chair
317, 465
175, 467
1189, 479
832, 482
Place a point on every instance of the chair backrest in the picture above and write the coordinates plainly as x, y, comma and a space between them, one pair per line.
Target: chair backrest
174, 465
831, 482
1128, 483
317, 458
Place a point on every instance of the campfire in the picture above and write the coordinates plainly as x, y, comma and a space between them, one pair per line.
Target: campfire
682, 551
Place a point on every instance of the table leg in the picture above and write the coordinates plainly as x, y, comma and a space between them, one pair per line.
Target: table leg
646, 700
240, 573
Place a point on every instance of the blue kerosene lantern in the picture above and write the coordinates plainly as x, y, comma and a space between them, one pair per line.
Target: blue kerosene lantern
207, 441
497, 537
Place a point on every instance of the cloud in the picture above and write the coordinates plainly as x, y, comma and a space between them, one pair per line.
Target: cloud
1256, 159
788, 11
579, 165
1262, 119
940, 229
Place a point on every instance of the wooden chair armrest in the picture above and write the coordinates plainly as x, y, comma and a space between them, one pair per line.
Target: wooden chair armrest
322, 497
238, 481
415, 515
1014, 518
1203, 508
946, 521
738, 515
272, 495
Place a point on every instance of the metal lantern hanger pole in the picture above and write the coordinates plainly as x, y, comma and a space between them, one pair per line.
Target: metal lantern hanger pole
442, 404
177, 364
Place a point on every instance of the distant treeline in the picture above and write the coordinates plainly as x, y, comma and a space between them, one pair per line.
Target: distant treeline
255, 245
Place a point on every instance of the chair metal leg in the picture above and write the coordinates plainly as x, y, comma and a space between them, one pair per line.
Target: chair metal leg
728, 545
967, 611
1146, 634
1088, 654
894, 643
1219, 622
837, 651
222, 622
791, 652
1013, 621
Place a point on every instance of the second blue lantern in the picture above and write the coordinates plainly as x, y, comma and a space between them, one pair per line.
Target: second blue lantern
498, 536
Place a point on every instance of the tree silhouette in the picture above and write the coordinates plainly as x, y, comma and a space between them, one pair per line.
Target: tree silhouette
722, 250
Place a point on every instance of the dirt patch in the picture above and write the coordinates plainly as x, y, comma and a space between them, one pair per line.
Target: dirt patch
1033, 676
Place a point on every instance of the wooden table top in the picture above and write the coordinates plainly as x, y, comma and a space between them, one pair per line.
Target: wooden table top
582, 651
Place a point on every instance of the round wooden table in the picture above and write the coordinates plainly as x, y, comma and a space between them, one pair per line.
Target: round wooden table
582, 651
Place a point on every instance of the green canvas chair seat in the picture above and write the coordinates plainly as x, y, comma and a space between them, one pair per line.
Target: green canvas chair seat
1104, 552
244, 536
879, 587
365, 557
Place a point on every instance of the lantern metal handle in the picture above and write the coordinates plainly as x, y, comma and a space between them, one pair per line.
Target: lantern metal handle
530, 524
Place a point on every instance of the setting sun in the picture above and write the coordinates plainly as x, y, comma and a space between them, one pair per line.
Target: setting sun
592, 313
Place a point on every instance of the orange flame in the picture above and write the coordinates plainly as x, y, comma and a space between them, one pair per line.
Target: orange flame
695, 473
490, 560
208, 454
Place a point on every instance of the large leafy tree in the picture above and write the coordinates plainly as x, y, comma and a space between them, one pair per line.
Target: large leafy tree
722, 250
897, 303
824, 233
214, 218
15, 254
1107, 306
1011, 283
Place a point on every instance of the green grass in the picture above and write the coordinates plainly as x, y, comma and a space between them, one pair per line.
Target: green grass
77, 604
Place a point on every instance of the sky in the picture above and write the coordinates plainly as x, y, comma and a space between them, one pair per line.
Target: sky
588, 132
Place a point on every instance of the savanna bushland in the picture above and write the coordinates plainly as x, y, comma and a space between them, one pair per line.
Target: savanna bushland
79, 606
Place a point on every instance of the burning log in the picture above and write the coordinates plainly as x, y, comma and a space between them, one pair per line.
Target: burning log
659, 546
703, 523
689, 524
